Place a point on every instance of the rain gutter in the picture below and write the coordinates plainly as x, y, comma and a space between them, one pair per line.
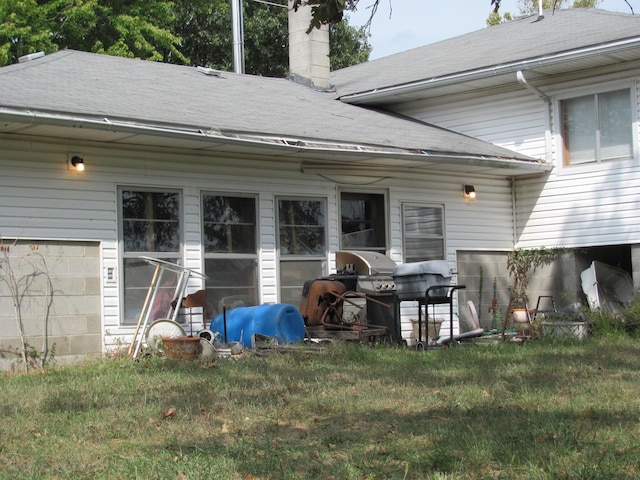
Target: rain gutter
508, 68
291, 145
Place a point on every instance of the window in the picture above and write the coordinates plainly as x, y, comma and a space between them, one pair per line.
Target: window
597, 127
363, 222
423, 232
150, 226
302, 245
230, 241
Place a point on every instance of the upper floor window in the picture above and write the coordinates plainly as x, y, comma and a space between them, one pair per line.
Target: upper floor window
597, 127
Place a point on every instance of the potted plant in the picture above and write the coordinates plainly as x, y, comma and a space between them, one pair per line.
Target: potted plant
521, 263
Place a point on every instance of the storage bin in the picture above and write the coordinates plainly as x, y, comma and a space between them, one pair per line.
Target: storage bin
433, 329
576, 330
413, 279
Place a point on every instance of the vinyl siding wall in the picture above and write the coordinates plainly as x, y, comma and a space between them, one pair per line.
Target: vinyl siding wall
588, 205
41, 199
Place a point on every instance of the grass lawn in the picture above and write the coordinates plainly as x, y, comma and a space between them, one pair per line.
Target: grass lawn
543, 410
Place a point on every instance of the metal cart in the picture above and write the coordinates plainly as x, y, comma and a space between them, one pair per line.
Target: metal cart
436, 295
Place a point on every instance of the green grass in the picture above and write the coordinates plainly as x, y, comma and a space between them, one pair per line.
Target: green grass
543, 410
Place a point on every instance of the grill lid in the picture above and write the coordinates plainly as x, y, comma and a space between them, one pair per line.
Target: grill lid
364, 263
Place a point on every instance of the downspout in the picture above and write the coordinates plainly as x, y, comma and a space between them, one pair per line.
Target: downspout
536, 91
514, 211
523, 81
547, 100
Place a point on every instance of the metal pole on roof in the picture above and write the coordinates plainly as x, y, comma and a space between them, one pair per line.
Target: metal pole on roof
237, 28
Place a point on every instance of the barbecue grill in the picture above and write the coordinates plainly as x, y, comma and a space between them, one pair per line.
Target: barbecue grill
370, 273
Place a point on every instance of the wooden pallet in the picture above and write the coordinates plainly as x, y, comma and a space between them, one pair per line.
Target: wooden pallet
359, 334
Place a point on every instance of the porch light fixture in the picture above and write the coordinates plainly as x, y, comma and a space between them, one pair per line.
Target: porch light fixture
469, 192
77, 163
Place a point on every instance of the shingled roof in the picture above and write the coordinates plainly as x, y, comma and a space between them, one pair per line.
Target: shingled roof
94, 91
525, 43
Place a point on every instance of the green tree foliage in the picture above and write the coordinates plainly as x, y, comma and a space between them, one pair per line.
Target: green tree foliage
349, 45
24, 29
193, 32
328, 11
205, 27
132, 28
207, 39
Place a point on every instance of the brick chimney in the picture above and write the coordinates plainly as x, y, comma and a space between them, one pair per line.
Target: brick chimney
308, 52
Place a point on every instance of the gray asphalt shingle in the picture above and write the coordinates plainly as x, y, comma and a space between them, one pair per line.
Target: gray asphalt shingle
148, 93
517, 40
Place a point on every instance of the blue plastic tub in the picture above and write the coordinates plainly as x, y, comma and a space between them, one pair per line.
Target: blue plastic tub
279, 320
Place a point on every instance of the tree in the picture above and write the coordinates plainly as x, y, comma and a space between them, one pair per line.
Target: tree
192, 32
331, 11
24, 29
205, 29
134, 28
349, 45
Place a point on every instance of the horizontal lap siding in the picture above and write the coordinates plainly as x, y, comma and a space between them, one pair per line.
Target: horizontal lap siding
485, 224
572, 207
41, 199
515, 120
66, 209
586, 205
597, 208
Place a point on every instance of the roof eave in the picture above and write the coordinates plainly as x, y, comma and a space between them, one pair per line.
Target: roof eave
371, 156
381, 94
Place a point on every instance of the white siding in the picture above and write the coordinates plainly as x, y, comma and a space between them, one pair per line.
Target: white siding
485, 224
588, 205
515, 120
41, 199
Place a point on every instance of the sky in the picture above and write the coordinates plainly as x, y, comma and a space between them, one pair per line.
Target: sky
400, 25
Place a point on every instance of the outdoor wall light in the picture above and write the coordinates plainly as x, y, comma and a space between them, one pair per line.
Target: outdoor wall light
77, 163
469, 192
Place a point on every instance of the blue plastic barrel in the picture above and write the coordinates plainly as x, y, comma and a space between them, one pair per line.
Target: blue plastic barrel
279, 320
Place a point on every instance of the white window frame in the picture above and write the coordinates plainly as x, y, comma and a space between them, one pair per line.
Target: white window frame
385, 200
403, 207
175, 257
559, 127
224, 256
321, 257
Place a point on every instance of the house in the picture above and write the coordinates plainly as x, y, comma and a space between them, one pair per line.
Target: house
562, 87
257, 182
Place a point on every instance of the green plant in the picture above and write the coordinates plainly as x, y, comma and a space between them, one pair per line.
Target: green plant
624, 323
521, 263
